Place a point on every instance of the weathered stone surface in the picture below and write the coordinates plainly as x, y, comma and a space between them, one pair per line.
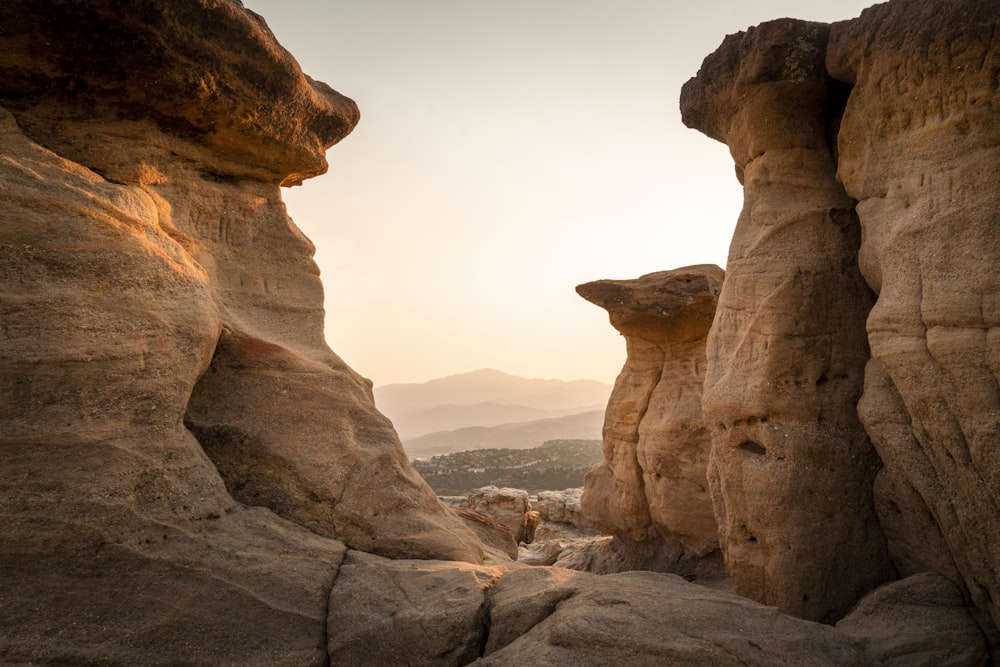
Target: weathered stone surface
511, 507
121, 545
301, 436
562, 507
920, 620
289, 425
210, 72
548, 616
920, 150
495, 536
792, 468
145, 259
653, 478
408, 612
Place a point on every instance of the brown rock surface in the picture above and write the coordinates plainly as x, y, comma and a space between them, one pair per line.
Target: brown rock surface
920, 150
288, 424
408, 612
548, 616
510, 507
140, 216
121, 545
652, 483
920, 620
792, 468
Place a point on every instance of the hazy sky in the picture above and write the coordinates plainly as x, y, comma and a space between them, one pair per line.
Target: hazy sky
507, 151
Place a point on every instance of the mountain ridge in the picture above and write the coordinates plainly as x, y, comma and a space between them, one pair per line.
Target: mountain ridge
491, 385
486, 398
518, 435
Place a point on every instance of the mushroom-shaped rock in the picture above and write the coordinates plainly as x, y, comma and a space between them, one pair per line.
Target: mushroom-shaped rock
652, 482
792, 467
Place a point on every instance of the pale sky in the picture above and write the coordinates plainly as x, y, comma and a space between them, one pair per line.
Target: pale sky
509, 150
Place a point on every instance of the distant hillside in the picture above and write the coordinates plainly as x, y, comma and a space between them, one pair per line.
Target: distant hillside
451, 417
559, 464
522, 435
404, 403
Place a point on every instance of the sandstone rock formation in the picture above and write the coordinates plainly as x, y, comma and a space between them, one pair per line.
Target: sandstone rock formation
919, 149
562, 507
431, 613
652, 484
408, 612
543, 616
190, 476
510, 507
921, 619
792, 467
152, 288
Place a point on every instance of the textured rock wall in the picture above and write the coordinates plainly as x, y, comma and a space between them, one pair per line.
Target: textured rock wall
153, 289
652, 482
792, 468
920, 150
867, 148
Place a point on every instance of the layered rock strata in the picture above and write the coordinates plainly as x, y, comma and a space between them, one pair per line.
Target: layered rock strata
792, 468
652, 484
919, 148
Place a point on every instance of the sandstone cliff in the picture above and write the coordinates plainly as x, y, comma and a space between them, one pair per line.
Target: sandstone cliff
164, 373
867, 148
792, 467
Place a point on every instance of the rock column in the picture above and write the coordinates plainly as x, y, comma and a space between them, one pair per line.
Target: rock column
791, 467
652, 483
920, 151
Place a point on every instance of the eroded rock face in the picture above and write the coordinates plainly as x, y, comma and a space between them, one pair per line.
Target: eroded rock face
511, 507
918, 620
386, 612
543, 616
151, 280
405, 612
119, 536
792, 468
652, 483
920, 150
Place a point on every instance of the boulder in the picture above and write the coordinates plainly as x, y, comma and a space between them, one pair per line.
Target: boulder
408, 612
791, 468
510, 507
656, 444
495, 536
919, 149
920, 620
562, 507
549, 616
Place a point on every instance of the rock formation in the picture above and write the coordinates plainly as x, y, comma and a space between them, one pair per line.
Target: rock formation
652, 485
190, 476
510, 507
153, 289
425, 613
919, 149
543, 616
562, 507
792, 467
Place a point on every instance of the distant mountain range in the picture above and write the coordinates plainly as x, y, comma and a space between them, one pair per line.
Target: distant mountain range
521, 435
489, 408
